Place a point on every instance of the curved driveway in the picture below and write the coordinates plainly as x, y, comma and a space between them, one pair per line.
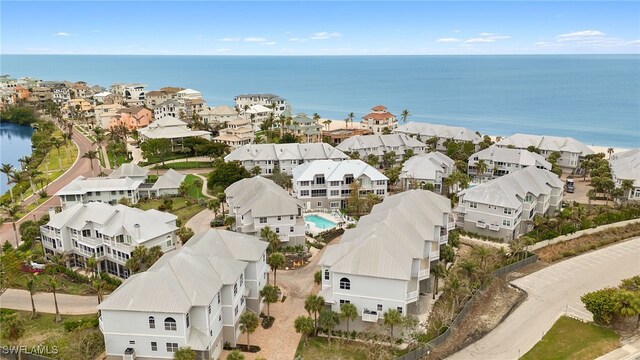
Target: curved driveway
555, 291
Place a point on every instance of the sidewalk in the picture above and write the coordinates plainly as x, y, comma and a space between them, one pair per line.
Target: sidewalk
67, 304
626, 352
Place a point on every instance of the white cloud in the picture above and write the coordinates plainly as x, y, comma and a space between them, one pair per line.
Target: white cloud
580, 35
297, 39
223, 50
634, 42
254, 39
479, 40
486, 34
269, 43
486, 37
229, 39
323, 35
448, 40
63, 34
542, 43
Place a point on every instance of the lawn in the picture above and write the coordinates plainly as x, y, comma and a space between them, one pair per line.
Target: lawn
572, 339
318, 348
39, 201
186, 165
194, 192
66, 285
181, 208
51, 339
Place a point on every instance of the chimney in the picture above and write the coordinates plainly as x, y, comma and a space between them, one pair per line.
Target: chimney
52, 212
137, 227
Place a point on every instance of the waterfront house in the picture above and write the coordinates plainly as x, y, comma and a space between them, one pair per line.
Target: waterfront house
379, 119
170, 128
132, 118
107, 233
274, 102
626, 166
155, 98
218, 115
130, 170
191, 297
258, 202
171, 107
505, 207
423, 169
193, 106
80, 89
379, 145
132, 93
237, 133
501, 161
384, 262
306, 129
326, 184
188, 94
257, 114
284, 156
441, 133
339, 135
570, 149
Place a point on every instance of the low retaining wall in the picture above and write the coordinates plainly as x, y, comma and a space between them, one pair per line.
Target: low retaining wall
577, 234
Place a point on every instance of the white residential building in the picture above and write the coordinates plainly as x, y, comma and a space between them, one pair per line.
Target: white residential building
188, 94
258, 202
505, 207
130, 170
101, 189
423, 169
379, 119
284, 156
237, 133
626, 166
326, 184
570, 149
425, 131
278, 104
257, 114
191, 297
384, 262
218, 115
108, 233
170, 128
171, 107
502, 161
133, 93
378, 145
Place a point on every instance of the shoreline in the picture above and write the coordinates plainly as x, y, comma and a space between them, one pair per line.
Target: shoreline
341, 124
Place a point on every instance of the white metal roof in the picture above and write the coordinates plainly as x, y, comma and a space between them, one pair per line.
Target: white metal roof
336, 170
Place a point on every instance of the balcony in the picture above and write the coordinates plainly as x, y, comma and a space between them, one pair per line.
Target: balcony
423, 274
412, 296
494, 227
434, 255
481, 224
444, 239
369, 316
451, 225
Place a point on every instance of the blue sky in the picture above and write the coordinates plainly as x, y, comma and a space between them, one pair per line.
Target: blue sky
319, 28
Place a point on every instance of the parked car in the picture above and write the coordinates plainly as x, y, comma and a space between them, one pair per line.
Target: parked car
569, 186
33, 268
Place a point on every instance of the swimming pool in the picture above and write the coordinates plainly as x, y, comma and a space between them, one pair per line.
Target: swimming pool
320, 222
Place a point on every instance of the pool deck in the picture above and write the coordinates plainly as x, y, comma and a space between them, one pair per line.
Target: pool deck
314, 230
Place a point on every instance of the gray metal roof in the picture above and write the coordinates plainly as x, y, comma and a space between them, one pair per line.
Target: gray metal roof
549, 143
278, 152
426, 166
626, 166
169, 180
262, 197
514, 156
336, 170
439, 131
381, 142
128, 169
82, 185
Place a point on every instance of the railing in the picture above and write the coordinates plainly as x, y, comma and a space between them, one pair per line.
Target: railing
369, 316
451, 225
422, 274
434, 255
444, 239
412, 296
494, 227
100, 324
481, 224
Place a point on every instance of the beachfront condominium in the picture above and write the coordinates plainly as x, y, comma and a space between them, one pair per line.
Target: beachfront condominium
304, 128
171, 107
506, 206
192, 297
133, 93
283, 156
421, 170
498, 161
107, 233
237, 133
625, 168
571, 150
380, 146
218, 115
436, 135
327, 184
384, 262
379, 120
274, 102
258, 202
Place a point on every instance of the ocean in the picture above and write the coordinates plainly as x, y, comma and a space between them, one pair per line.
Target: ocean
593, 98
15, 142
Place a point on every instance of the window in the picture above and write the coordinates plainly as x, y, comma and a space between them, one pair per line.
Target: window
169, 241
319, 193
399, 309
152, 322
506, 222
172, 347
187, 319
113, 192
236, 310
334, 183
279, 218
304, 183
507, 211
263, 220
235, 289
529, 198
290, 217
334, 205
380, 192
241, 279
277, 230
335, 192
219, 317
379, 307
326, 274
170, 324
348, 180
320, 180
209, 309
319, 203
290, 228
132, 342
86, 233
473, 205
345, 284
304, 193
154, 346
344, 302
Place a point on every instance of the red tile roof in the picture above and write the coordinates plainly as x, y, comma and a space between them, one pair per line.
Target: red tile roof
379, 116
379, 108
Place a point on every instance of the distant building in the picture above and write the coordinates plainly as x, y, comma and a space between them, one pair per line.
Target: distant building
132, 118
505, 207
100, 97
133, 93
107, 233
306, 129
218, 115
188, 94
378, 145
155, 98
626, 166
284, 156
258, 114
273, 102
339, 135
258, 202
171, 107
81, 90
502, 161
101, 189
326, 184
571, 150
170, 128
104, 113
423, 169
237, 133
379, 119
441, 133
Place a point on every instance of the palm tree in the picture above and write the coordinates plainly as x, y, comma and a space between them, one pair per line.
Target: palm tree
468, 267
12, 212
328, 320
627, 186
482, 253
269, 295
304, 326
32, 287
98, 286
350, 117
92, 264
271, 237
481, 167
7, 170
185, 353
313, 304
248, 324
392, 317
439, 271
610, 152
276, 260
404, 115
57, 143
627, 303
348, 312
53, 286
91, 155
456, 289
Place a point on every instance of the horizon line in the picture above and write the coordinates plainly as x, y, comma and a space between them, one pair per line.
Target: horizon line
318, 55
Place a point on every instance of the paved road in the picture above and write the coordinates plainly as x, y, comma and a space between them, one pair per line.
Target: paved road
80, 167
201, 221
67, 304
554, 291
